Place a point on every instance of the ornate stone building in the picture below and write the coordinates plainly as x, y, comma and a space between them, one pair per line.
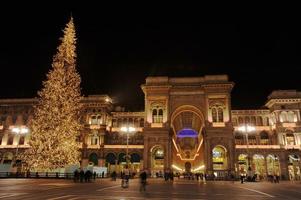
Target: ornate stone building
187, 125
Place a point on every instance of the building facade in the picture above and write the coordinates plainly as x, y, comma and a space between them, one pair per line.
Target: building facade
187, 126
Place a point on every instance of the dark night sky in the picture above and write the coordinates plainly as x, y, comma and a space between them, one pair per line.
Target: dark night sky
118, 50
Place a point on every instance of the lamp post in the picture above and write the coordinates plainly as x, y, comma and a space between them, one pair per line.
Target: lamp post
18, 131
127, 130
247, 129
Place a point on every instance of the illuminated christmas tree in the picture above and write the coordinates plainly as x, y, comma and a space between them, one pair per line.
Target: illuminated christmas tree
56, 124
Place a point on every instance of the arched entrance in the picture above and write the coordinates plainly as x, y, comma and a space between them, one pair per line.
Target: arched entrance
294, 167
243, 163
111, 162
273, 165
157, 159
135, 162
187, 123
219, 158
258, 165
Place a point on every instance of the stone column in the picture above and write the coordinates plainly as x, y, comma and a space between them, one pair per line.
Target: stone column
145, 154
283, 166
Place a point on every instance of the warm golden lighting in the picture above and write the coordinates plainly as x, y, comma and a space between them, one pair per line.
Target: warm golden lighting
199, 168
246, 128
128, 129
177, 168
21, 130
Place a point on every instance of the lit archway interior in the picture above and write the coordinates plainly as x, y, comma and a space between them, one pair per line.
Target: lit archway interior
187, 126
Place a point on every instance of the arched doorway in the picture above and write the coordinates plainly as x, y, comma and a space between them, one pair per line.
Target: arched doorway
243, 163
157, 159
273, 165
187, 123
258, 165
135, 162
111, 162
93, 159
294, 167
219, 158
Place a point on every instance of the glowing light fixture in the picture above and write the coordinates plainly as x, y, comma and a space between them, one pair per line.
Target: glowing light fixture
21, 130
177, 168
246, 128
199, 168
128, 129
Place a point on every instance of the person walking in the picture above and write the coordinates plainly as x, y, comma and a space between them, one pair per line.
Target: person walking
125, 180
94, 176
143, 177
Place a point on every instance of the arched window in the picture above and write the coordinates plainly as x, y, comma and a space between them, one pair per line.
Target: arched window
220, 115
160, 116
93, 120
264, 138
157, 115
290, 139
214, 115
154, 114
247, 120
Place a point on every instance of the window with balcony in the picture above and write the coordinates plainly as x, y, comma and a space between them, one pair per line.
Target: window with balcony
157, 115
217, 114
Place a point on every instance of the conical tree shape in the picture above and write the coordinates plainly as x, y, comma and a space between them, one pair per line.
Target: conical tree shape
56, 124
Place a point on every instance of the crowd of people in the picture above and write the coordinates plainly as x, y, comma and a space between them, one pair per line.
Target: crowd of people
85, 176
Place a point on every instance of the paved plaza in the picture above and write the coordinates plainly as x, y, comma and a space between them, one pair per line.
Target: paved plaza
47, 189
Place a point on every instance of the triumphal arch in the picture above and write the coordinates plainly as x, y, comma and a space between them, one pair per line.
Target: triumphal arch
187, 124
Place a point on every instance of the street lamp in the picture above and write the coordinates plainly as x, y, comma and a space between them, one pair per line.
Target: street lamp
127, 130
18, 131
247, 129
